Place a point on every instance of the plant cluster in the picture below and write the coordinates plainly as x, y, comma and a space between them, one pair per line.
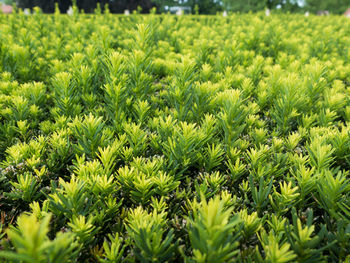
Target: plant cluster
156, 138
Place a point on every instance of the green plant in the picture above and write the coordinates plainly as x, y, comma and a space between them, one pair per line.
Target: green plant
66, 95
113, 250
152, 242
213, 232
174, 138
32, 244
26, 188
90, 135
275, 250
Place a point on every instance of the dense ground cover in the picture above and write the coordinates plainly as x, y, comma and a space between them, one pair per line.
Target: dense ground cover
161, 138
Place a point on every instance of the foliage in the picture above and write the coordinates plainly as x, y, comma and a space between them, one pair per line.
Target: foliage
159, 138
210, 230
334, 6
32, 244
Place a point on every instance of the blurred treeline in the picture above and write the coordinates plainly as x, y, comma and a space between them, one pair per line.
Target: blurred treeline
197, 6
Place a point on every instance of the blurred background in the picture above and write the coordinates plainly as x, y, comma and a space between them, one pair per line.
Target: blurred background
192, 6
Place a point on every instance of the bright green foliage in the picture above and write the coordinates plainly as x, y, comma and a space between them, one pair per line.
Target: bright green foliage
112, 252
66, 97
32, 244
275, 252
26, 188
160, 138
147, 230
213, 232
90, 134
